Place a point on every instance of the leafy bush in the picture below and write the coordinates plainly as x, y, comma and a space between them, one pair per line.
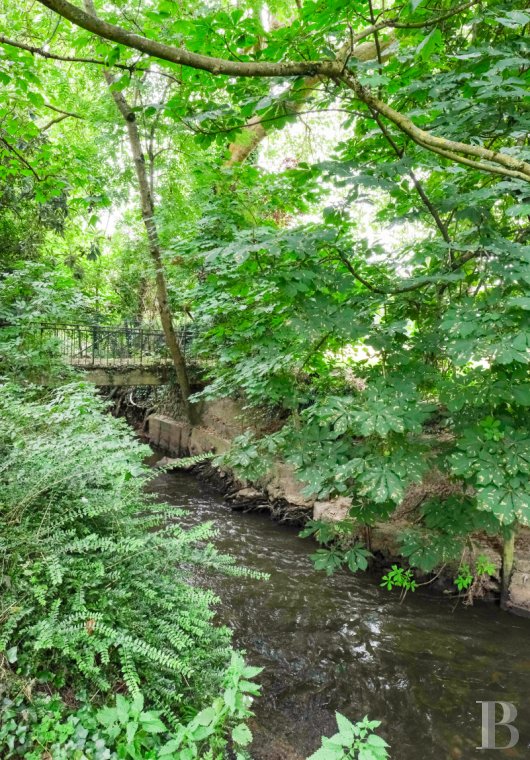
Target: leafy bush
126, 729
29, 294
96, 577
339, 546
354, 741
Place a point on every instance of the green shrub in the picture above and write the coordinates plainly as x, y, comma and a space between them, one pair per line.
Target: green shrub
353, 741
96, 577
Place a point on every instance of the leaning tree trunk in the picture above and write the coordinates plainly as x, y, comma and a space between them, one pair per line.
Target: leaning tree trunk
148, 216
256, 131
508, 557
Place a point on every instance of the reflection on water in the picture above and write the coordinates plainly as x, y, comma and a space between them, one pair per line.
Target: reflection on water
344, 643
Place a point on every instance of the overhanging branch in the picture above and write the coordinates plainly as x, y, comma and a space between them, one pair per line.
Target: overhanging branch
20, 157
406, 288
48, 55
475, 156
185, 57
470, 155
395, 23
214, 65
35, 50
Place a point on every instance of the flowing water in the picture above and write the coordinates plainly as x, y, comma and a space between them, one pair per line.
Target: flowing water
343, 643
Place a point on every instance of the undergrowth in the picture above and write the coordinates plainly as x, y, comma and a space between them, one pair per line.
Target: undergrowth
97, 597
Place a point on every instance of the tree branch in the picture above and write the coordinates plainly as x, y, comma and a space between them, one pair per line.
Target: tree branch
131, 68
252, 124
417, 184
488, 160
498, 162
35, 50
60, 110
53, 121
148, 216
240, 150
347, 263
63, 115
185, 57
20, 157
404, 288
395, 23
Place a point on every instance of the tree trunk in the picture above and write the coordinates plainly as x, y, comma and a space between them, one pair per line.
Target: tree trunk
508, 556
255, 131
148, 216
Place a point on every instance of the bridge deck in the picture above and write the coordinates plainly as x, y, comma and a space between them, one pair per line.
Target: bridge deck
87, 362
109, 355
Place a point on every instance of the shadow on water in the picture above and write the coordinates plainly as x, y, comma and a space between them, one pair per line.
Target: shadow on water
344, 643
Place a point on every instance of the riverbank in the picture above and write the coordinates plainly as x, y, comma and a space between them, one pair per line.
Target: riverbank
280, 494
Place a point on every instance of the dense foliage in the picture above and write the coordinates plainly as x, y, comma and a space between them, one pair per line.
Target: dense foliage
336, 195
353, 741
96, 581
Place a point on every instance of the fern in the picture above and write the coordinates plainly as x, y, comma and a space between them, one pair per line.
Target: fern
96, 575
185, 462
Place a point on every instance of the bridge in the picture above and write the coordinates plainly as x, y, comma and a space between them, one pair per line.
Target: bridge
108, 355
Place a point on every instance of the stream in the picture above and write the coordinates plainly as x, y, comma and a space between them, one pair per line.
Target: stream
344, 643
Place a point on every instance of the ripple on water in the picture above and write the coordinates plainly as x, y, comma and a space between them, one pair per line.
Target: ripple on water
344, 643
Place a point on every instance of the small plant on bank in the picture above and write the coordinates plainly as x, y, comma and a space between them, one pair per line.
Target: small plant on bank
465, 580
338, 547
353, 741
398, 577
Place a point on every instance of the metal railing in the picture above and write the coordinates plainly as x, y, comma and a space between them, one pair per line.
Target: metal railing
84, 345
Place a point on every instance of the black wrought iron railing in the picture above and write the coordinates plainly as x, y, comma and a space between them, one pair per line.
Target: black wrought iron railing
85, 345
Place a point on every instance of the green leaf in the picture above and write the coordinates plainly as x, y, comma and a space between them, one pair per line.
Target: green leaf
522, 209
346, 728
376, 741
12, 654
130, 731
242, 735
199, 733
368, 753
138, 703
433, 41
107, 716
327, 753
122, 709
251, 671
206, 716
513, 19
36, 98
521, 394
230, 699
520, 302
151, 723
169, 749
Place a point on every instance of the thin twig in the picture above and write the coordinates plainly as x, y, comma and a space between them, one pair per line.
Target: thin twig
20, 157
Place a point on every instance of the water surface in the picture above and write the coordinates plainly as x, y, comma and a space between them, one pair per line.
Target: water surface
343, 643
